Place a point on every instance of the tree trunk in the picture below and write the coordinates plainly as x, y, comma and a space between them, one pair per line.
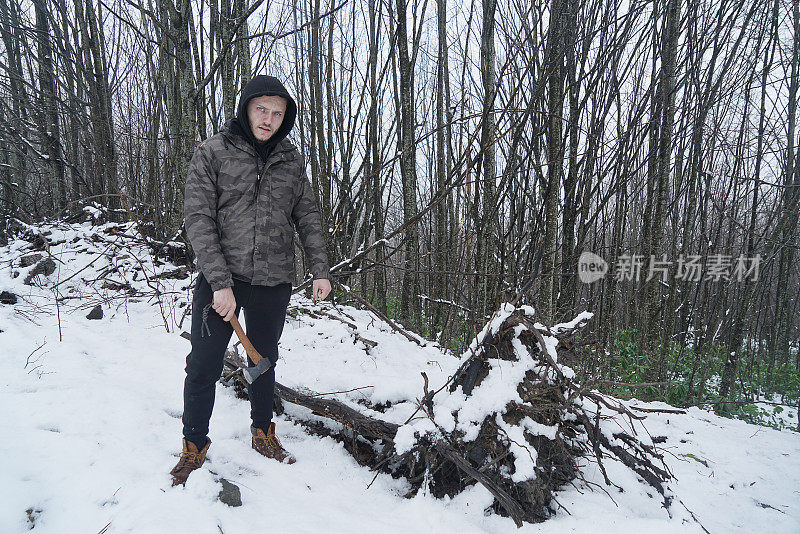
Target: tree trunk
441, 260
555, 76
569, 280
666, 99
50, 133
185, 144
227, 68
410, 304
372, 169
485, 201
243, 44
14, 178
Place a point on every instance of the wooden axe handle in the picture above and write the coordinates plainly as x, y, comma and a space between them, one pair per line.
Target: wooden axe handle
248, 347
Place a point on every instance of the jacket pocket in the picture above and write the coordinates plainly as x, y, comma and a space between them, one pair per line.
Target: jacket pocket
283, 198
282, 250
237, 233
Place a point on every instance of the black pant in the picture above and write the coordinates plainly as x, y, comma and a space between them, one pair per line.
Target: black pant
264, 313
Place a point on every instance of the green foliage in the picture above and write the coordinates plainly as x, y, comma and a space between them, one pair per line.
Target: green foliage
691, 376
392, 306
758, 415
464, 334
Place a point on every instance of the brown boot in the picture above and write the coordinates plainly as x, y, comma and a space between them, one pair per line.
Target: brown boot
269, 446
191, 459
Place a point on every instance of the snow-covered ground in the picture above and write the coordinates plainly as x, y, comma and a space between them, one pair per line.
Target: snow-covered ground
91, 427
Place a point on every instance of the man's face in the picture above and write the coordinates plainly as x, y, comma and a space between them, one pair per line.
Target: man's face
266, 115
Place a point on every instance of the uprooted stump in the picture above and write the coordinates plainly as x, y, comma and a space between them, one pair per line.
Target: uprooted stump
511, 417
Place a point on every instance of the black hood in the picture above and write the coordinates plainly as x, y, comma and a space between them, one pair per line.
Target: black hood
263, 85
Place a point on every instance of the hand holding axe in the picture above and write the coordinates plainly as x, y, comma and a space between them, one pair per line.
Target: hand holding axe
260, 364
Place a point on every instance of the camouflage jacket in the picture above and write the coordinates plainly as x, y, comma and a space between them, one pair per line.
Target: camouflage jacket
241, 212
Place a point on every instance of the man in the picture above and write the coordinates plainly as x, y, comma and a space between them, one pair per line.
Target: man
245, 190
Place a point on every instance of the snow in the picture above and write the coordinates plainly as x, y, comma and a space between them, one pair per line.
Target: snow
524, 456
538, 429
94, 210
581, 318
91, 425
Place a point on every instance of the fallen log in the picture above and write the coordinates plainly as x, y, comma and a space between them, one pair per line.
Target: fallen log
511, 417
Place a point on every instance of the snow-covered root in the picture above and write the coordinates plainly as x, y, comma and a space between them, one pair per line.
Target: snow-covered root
511, 418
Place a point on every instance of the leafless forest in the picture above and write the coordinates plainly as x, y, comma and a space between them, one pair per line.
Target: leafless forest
463, 155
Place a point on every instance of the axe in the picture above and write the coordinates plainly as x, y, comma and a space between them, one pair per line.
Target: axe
260, 364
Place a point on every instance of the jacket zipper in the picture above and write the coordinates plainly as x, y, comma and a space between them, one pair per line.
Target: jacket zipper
263, 172
260, 175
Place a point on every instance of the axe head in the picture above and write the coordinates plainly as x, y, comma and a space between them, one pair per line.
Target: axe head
251, 373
